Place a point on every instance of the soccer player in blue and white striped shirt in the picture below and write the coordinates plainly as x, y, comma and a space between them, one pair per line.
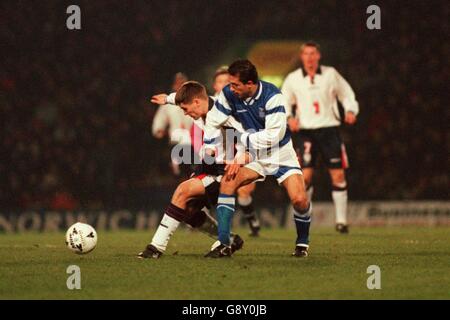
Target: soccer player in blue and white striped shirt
260, 107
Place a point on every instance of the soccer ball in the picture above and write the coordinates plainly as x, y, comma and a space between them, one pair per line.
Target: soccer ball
81, 238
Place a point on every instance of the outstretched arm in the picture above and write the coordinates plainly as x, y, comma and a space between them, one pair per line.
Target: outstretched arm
163, 98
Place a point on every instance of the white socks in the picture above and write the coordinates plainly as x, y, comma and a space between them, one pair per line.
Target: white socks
340, 198
166, 228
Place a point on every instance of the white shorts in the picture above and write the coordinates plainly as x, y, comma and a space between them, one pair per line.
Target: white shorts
281, 163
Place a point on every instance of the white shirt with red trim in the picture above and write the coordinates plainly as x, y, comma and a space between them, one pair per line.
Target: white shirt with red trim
170, 117
316, 97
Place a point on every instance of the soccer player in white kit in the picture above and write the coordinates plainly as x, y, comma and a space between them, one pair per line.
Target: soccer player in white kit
170, 120
202, 189
312, 92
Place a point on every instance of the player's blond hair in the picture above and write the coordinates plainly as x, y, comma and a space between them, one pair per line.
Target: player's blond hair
220, 71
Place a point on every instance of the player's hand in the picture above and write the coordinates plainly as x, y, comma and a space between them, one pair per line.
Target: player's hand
232, 166
159, 99
350, 118
231, 170
294, 124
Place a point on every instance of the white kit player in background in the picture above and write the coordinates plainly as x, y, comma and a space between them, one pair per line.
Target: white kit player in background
312, 92
170, 120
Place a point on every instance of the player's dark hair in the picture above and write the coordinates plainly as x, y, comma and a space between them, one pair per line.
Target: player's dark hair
245, 70
189, 91
310, 44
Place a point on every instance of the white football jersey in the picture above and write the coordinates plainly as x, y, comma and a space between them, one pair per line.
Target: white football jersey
316, 98
172, 117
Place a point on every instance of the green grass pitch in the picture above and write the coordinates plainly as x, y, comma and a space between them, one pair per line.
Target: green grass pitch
414, 263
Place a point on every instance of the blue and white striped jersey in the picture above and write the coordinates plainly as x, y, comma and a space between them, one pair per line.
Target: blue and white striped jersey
263, 116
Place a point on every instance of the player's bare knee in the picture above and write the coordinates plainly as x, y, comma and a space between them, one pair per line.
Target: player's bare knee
338, 177
300, 202
243, 193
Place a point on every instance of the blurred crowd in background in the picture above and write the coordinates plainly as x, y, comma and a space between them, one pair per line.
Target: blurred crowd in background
76, 117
